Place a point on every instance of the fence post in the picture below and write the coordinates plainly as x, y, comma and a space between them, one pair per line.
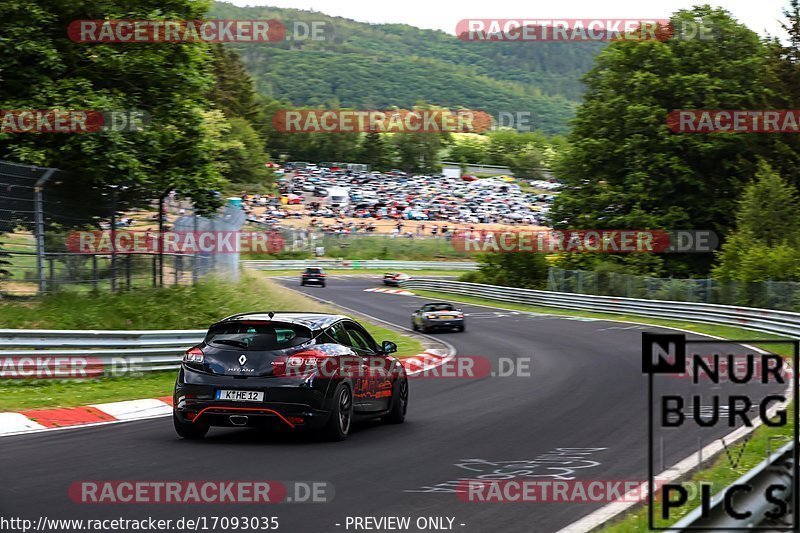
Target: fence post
95, 274
52, 273
39, 224
195, 262
113, 238
128, 271
770, 295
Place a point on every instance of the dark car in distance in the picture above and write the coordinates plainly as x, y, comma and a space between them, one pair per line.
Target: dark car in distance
313, 276
288, 370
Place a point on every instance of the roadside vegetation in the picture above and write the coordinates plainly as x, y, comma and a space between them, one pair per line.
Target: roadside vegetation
180, 307
364, 248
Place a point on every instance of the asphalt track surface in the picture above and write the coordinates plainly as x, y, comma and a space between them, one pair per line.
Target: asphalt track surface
585, 391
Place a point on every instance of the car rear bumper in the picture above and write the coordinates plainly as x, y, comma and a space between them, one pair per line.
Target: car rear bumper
240, 414
443, 324
313, 281
288, 402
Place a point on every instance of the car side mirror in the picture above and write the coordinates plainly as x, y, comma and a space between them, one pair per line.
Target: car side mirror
388, 347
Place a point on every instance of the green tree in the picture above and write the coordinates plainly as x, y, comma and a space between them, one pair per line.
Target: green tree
766, 243
233, 92
624, 167
373, 151
469, 148
41, 68
526, 164
515, 269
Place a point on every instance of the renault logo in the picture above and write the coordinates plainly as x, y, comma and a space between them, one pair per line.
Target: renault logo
242, 359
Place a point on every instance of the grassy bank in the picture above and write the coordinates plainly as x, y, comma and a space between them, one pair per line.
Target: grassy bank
365, 247
182, 307
719, 472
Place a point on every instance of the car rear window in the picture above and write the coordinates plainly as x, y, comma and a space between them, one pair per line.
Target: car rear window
441, 307
258, 336
313, 271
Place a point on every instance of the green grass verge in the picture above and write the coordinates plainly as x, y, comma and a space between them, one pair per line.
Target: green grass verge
180, 307
719, 472
15, 395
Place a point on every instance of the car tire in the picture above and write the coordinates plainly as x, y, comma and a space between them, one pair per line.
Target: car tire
189, 430
424, 328
323, 285
413, 325
461, 328
302, 283
341, 419
397, 414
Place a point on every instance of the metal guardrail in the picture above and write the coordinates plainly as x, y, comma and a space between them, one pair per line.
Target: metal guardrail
31, 353
766, 320
778, 468
359, 264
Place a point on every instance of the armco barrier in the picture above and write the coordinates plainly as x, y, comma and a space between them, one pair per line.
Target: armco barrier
779, 468
358, 264
766, 320
141, 351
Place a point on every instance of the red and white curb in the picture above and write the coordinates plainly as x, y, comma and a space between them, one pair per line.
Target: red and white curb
390, 291
38, 420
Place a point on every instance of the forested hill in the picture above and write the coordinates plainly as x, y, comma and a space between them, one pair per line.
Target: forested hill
365, 65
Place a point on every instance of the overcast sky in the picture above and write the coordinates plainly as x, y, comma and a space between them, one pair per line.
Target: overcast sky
759, 15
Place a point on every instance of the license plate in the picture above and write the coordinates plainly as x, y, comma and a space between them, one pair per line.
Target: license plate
445, 318
240, 395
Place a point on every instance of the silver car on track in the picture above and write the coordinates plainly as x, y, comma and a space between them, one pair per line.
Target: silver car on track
437, 315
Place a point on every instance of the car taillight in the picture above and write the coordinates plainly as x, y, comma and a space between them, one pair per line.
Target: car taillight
459, 315
299, 364
193, 355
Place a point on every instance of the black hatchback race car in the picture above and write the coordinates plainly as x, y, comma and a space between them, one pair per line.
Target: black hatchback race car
290, 370
312, 276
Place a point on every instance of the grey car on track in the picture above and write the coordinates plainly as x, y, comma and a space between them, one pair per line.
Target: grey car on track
437, 315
